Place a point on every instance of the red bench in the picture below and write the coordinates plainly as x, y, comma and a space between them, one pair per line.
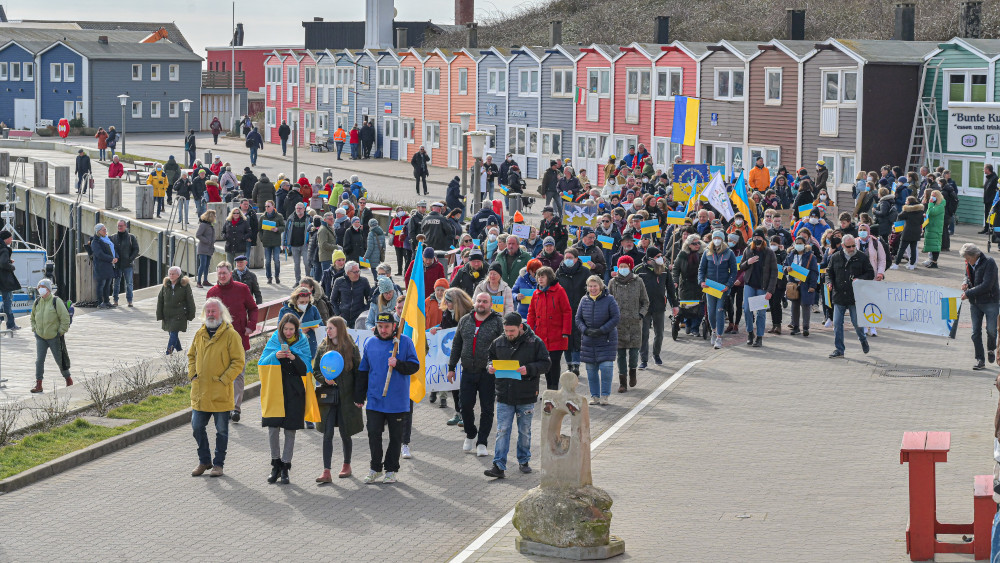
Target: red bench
268, 312
922, 450
19, 134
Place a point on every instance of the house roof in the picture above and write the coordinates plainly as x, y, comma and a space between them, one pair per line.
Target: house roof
116, 50
887, 52
537, 53
800, 48
988, 47
173, 32
123, 45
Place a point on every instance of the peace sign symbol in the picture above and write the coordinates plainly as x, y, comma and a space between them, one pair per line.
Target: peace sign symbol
872, 313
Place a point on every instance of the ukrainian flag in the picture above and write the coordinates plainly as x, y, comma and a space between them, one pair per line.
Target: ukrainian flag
397, 230
272, 397
741, 200
324, 193
799, 273
567, 196
585, 260
685, 127
689, 303
781, 273
826, 295
503, 189
805, 209
269, 225
675, 217
650, 226
949, 308
926, 222
715, 289
897, 227
606, 242
364, 263
414, 324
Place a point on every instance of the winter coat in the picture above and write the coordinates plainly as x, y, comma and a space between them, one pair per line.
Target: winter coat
438, 231
596, 253
935, 227
284, 131
810, 263
821, 178
206, 238
247, 184
510, 273
876, 251
292, 198
380, 305
158, 179
263, 191
326, 241
102, 140
685, 276
49, 319
116, 170
841, 273
556, 230
885, 215
913, 218
397, 239
453, 197
8, 279
350, 299
524, 282
376, 246
214, 362
571, 185
718, 268
602, 315
573, 280
432, 274
103, 255
354, 243
288, 392
373, 375
237, 236
502, 291
553, 260
175, 306
551, 317
981, 278
530, 353
759, 179
311, 314
467, 279
126, 249
462, 346
633, 304
350, 419
804, 197
241, 305
659, 289
418, 162
268, 238
768, 264
249, 279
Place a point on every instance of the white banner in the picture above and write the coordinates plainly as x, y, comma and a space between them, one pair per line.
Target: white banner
715, 193
912, 307
437, 357
973, 126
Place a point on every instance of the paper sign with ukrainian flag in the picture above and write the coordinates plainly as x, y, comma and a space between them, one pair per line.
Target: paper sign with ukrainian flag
606, 241
567, 196
503, 189
715, 289
805, 209
364, 263
268, 225
897, 227
650, 226
397, 230
585, 260
675, 217
799, 273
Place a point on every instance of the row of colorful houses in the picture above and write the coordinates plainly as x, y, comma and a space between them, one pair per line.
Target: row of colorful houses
853, 104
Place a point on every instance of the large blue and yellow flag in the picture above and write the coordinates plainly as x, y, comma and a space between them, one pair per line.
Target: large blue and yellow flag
742, 202
272, 396
685, 127
414, 325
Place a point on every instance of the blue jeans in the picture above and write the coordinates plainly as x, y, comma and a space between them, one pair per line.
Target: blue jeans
8, 307
838, 325
200, 206
272, 253
760, 316
340, 148
123, 277
249, 248
103, 153
199, 420
253, 156
174, 341
203, 263
284, 146
158, 205
182, 211
989, 310
104, 290
354, 150
716, 312
572, 355
192, 156
599, 377
505, 420
320, 267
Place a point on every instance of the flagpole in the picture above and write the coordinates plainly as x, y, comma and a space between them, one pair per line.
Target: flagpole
399, 329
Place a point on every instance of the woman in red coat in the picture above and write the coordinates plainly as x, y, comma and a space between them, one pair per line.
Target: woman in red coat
399, 220
550, 316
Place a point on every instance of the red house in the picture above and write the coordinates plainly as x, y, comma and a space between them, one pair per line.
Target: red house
290, 82
249, 60
675, 73
594, 117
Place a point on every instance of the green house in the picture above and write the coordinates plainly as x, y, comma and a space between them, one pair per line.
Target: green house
958, 71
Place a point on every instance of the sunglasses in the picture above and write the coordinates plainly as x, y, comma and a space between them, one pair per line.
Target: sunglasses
846, 246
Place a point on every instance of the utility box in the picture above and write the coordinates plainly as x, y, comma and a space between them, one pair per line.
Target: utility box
86, 287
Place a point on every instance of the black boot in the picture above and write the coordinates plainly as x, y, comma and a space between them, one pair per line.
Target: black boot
284, 471
631, 377
275, 468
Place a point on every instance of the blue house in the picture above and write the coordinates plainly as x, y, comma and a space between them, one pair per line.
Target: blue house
387, 104
326, 91
345, 98
366, 89
524, 105
18, 83
558, 104
491, 100
63, 83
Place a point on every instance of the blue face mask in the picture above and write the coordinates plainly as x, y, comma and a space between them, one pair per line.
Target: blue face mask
732, 244
569, 262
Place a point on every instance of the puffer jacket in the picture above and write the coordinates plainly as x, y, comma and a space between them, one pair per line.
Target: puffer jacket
913, 218
350, 299
530, 352
206, 238
685, 276
601, 314
175, 306
721, 269
596, 253
269, 238
213, 364
659, 290
885, 215
551, 317
462, 349
524, 282
376, 246
502, 291
935, 227
467, 279
262, 192
236, 236
633, 304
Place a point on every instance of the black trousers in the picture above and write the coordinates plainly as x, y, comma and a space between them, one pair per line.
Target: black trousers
775, 305
424, 180
552, 376
483, 385
395, 422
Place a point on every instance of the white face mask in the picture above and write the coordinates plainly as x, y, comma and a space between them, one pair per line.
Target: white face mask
774, 248
399, 214
658, 260
624, 271
814, 220
43, 291
492, 237
800, 247
302, 307
717, 241
739, 222
822, 197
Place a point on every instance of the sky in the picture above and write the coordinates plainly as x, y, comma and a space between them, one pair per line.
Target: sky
209, 22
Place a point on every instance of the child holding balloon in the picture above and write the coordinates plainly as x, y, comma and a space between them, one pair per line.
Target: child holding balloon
335, 367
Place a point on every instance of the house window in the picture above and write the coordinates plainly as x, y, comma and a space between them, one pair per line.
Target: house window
551, 144
432, 134
154, 73
69, 72
491, 140
840, 87
637, 83
728, 84
4, 72
174, 72
388, 77
15, 71
562, 83
29, 71
528, 83
966, 86
599, 81
154, 109
772, 86
771, 156
407, 80
463, 81
496, 82
293, 76
271, 117
432, 81
172, 108
55, 72
408, 126
136, 110
363, 77
669, 83
136, 72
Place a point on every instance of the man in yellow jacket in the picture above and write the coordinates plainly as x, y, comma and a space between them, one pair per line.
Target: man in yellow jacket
339, 137
158, 179
215, 358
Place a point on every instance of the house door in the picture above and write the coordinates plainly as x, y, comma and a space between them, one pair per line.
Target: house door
591, 155
24, 113
454, 145
518, 146
390, 137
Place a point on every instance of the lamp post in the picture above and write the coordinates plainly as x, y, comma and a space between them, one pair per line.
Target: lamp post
464, 118
295, 143
186, 106
123, 98
478, 142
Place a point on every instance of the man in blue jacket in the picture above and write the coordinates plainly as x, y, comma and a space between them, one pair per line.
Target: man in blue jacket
387, 405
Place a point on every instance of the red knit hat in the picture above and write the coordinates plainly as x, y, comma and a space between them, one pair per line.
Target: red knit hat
441, 283
627, 261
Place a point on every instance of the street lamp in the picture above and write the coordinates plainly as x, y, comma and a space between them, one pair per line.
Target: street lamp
186, 106
123, 98
478, 141
295, 143
464, 118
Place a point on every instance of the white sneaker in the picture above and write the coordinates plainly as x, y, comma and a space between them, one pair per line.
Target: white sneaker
911, 267
469, 445
874, 333
604, 400
390, 477
373, 477
717, 342
481, 451
828, 323
894, 267
406, 451
595, 401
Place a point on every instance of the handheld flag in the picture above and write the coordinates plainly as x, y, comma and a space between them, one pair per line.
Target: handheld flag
741, 199
715, 289
567, 196
503, 189
268, 225
414, 324
498, 303
606, 242
689, 303
781, 273
799, 273
585, 260
650, 226
949, 308
324, 192
685, 127
310, 324
897, 227
826, 295
364, 263
805, 209
675, 217
397, 230
507, 369
526, 294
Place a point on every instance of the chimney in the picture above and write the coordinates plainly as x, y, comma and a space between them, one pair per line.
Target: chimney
662, 30
905, 14
317, 19
102, 39
969, 25
401, 38
555, 32
239, 35
3, 15
473, 35
795, 24
465, 12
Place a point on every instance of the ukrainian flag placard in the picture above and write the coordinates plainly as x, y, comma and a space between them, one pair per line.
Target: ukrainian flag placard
504, 189
606, 242
715, 289
310, 324
675, 217
585, 260
689, 303
364, 263
781, 273
685, 126
650, 226
826, 295
269, 225
526, 294
949, 308
498, 303
897, 227
397, 230
567, 196
799, 273
805, 209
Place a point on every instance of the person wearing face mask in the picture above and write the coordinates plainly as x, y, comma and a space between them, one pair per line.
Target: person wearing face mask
718, 264
847, 265
801, 294
384, 301
913, 219
653, 272
740, 227
300, 305
572, 276
822, 198
685, 277
633, 302
734, 299
759, 266
49, 322
885, 214
402, 254
873, 248
934, 232
814, 225
158, 179
524, 286
778, 295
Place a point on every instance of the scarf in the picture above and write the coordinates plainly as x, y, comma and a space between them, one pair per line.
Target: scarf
110, 245
235, 221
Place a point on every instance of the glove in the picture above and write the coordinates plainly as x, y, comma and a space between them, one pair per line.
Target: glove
592, 332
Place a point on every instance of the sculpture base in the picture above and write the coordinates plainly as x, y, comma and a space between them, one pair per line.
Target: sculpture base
566, 517
615, 547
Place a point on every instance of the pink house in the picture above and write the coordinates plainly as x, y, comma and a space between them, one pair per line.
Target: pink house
595, 116
633, 98
290, 84
675, 73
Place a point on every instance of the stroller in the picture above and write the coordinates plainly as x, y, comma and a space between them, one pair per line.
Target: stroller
693, 311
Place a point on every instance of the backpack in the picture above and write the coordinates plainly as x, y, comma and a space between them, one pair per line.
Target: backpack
951, 202
69, 307
249, 143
